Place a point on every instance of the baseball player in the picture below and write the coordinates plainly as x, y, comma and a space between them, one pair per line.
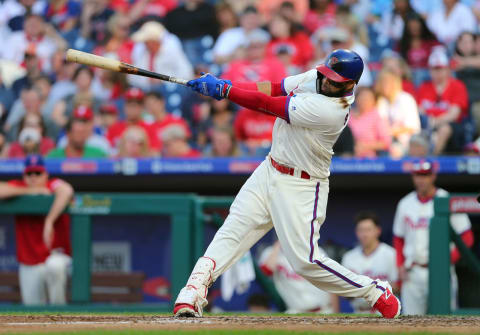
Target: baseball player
289, 189
43, 242
299, 295
411, 237
371, 258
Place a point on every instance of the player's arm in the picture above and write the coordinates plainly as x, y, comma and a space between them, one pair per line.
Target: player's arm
467, 238
269, 263
8, 190
265, 87
63, 193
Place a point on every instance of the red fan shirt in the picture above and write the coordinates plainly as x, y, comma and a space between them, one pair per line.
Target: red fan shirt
436, 105
157, 127
29, 232
115, 132
251, 125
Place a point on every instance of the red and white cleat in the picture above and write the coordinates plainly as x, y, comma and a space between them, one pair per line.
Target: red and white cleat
184, 311
388, 305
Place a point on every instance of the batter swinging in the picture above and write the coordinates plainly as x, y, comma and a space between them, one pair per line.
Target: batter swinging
289, 190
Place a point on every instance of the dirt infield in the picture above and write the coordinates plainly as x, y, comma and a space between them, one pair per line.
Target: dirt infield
62, 323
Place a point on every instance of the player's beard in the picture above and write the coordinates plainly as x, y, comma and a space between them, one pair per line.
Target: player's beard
341, 93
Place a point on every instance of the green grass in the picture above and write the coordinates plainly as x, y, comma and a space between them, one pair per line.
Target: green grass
222, 332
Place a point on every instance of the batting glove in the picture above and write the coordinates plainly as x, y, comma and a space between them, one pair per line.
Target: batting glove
209, 85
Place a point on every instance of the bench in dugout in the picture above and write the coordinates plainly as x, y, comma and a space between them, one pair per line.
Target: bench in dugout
106, 287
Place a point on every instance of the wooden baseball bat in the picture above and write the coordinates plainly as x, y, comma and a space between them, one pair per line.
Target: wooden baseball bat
117, 66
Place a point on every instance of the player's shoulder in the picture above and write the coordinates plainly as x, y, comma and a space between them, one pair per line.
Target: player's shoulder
352, 254
386, 249
408, 199
441, 192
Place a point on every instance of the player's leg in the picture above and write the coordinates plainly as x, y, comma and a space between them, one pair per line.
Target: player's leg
32, 284
247, 222
56, 268
298, 209
414, 292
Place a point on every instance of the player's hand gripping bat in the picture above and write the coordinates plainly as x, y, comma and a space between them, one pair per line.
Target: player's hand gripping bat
117, 66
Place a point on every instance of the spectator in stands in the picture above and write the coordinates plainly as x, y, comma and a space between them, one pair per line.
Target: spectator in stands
411, 238
285, 36
84, 95
3, 144
444, 102
33, 67
392, 23
109, 85
159, 51
450, 20
108, 115
393, 62
174, 139
31, 139
416, 45
85, 114
155, 106
6, 100
43, 242
37, 36
134, 105
398, 109
226, 16
419, 146
117, 43
215, 114
29, 103
94, 17
370, 131
223, 143
230, 44
466, 63
146, 10
299, 294
13, 13
134, 143
62, 14
346, 18
195, 23
296, 8
321, 14
371, 257
62, 75
78, 133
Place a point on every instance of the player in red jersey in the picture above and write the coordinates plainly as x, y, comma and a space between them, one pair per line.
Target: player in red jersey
43, 242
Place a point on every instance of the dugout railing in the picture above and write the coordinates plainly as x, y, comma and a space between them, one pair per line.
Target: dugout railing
178, 207
441, 235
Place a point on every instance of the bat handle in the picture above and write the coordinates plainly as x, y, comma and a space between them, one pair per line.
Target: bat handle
178, 81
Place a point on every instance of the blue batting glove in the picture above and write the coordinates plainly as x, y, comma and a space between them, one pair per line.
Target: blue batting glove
209, 85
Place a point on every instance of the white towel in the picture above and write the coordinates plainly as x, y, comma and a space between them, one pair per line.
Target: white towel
238, 277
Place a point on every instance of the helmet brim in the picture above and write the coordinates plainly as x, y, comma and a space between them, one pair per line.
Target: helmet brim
330, 74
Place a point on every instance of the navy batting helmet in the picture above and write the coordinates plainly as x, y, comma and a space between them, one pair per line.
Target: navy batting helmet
342, 65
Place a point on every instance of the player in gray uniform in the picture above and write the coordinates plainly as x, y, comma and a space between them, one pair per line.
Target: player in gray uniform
289, 190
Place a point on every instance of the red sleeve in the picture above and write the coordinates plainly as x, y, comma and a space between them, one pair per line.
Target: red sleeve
276, 88
461, 96
398, 244
467, 238
260, 102
16, 182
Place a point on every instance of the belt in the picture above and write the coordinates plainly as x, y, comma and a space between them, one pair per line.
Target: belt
288, 170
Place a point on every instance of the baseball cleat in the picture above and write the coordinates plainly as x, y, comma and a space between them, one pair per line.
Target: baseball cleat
184, 311
388, 305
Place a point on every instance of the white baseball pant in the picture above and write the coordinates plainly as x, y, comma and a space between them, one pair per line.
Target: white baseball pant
46, 282
414, 294
296, 208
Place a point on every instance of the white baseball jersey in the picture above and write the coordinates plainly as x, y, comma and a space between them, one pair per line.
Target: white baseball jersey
412, 220
298, 294
317, 122
379, 264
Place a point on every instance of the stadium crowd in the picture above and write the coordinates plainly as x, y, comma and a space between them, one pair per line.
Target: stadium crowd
422, 82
